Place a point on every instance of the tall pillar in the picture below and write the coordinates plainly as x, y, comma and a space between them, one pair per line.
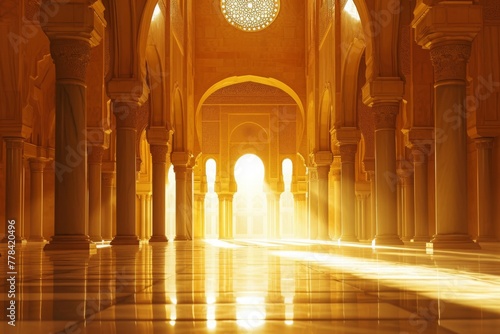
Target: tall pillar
337, 206
485, 228
13, 187
125, 113
106, 206
373, 205
409, 207
362, 215
348, 194
450, 47
36, 199
226, 216
70, 44
95, 203
183, 196
300, 215
71, 56
323, 222
159, 154
199, 215
385, 168
420, 188
312, 203
273, 215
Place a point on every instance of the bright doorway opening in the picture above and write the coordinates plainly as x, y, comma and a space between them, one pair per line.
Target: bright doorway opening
249, 202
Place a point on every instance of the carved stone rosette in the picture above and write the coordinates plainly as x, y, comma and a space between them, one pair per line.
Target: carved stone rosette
71, 57
450, 61
348, 152
385, 116
159, 153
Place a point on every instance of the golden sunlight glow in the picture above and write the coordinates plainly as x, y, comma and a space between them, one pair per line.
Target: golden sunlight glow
351, 9
156, 13
250, 15
460, 287
249, 173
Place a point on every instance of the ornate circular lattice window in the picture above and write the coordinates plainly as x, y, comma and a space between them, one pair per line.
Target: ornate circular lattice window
250, 15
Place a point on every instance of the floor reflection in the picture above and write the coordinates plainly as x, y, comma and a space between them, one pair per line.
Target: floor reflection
257, 286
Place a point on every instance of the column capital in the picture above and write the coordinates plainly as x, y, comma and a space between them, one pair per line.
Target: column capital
159, 153
348, 152
125, 113
37, 164
450, 60
225, 196
420, 154
484, 143
95, 154
108, 179
159, 136
71, 57
385, 115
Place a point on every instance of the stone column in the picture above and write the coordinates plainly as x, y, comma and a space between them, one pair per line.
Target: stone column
300, 215
385, 171
420, 188
323, 172
199, 215
183, 195
363, 226
337, 200
348, 194
36, 199
373, 204
450, 43
409, 207
125, 113
312, 203
273, 215
159, 154
95, 202
450, 66
485, 227
225, 216
106, 208
71, 56
13, 187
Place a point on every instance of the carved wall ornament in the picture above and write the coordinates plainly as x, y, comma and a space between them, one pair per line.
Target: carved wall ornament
71, 58
450, 61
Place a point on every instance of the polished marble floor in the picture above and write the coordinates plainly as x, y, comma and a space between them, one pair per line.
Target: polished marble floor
260, 286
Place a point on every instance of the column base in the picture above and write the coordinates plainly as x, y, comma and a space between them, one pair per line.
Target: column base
19, 241
70, 242
420, 239
37, 239
125, 240
158, 238
348, 238
486, 239
182, 238
386, 240
453, 241
96, 238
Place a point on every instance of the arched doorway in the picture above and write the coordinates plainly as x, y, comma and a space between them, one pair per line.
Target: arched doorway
250, 203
